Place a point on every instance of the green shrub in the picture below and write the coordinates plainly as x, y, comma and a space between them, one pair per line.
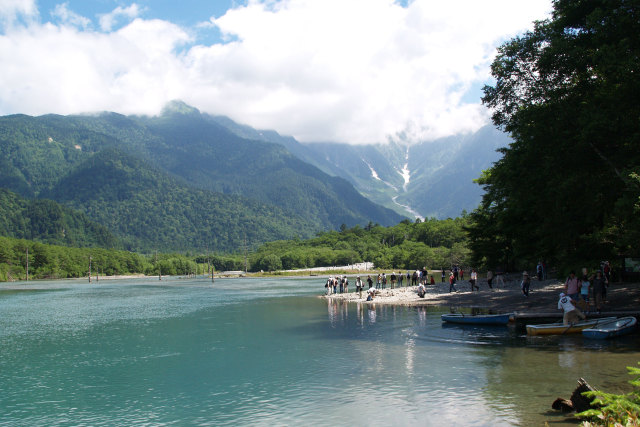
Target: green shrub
615, 409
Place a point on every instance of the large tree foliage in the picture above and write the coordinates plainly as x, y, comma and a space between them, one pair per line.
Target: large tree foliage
568, 93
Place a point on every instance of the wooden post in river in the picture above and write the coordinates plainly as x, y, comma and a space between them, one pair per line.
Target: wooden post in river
157, 265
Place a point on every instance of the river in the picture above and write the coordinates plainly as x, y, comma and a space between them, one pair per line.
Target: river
268, 352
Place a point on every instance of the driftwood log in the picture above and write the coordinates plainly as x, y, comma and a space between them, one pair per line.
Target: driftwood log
578, 402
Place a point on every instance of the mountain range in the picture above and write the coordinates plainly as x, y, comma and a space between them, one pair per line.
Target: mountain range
177, 181
187, 180
421, 179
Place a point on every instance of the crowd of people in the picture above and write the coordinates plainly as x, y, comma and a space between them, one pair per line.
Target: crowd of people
419, 277
578, 291
339, 284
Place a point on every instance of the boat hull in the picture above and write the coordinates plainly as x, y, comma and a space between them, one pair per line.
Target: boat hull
621, 326
562, 329
478, 319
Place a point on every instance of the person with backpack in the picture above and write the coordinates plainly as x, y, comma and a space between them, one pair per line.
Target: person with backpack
572, 286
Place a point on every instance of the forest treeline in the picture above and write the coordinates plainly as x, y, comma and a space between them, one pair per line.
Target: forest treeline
44, 261
408, 245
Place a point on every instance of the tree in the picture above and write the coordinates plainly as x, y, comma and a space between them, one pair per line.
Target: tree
271, 262
567, 93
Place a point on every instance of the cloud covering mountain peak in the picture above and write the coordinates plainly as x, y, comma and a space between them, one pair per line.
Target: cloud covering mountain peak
357, 71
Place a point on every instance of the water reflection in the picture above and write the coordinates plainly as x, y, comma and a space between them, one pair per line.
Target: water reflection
512, 377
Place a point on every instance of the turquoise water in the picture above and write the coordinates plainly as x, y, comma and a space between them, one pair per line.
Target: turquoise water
268, 352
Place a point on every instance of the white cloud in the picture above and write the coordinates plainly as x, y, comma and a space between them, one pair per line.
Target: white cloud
68, 17
10, 10
322, 70
109, 20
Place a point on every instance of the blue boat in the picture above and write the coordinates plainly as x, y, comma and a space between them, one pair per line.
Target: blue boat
477, 319
614, 328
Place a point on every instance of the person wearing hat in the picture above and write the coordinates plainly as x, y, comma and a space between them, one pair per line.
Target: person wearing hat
525, 284
571, 313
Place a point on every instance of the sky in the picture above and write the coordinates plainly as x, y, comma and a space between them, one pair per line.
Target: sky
350, 71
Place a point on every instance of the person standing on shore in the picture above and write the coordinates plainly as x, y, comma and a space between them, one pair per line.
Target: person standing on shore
359, 286
384, 280
599, 283
571, 286
571, 313
369, 281
500, 277
490, 278
329, 285
345, 280
584, 291
452, 282
474, 279
393, 280
539, 271
378, 281
525, 284
400, 279
442, 274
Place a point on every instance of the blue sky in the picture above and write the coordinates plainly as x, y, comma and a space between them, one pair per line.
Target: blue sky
354, 71
186, 13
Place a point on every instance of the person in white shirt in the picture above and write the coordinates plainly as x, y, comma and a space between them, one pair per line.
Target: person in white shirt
474, 280
571, 313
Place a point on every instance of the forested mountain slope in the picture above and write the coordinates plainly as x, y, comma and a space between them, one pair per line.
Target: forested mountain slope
151, 209
49, 222
176, 181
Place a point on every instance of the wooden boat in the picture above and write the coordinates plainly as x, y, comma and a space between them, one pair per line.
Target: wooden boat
562, 329
477, 319
615, 328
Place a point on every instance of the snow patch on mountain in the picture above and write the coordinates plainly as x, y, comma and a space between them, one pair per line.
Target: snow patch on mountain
408, 209
375, 175
404, 172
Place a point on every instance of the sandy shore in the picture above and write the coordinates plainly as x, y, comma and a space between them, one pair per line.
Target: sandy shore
543, 296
